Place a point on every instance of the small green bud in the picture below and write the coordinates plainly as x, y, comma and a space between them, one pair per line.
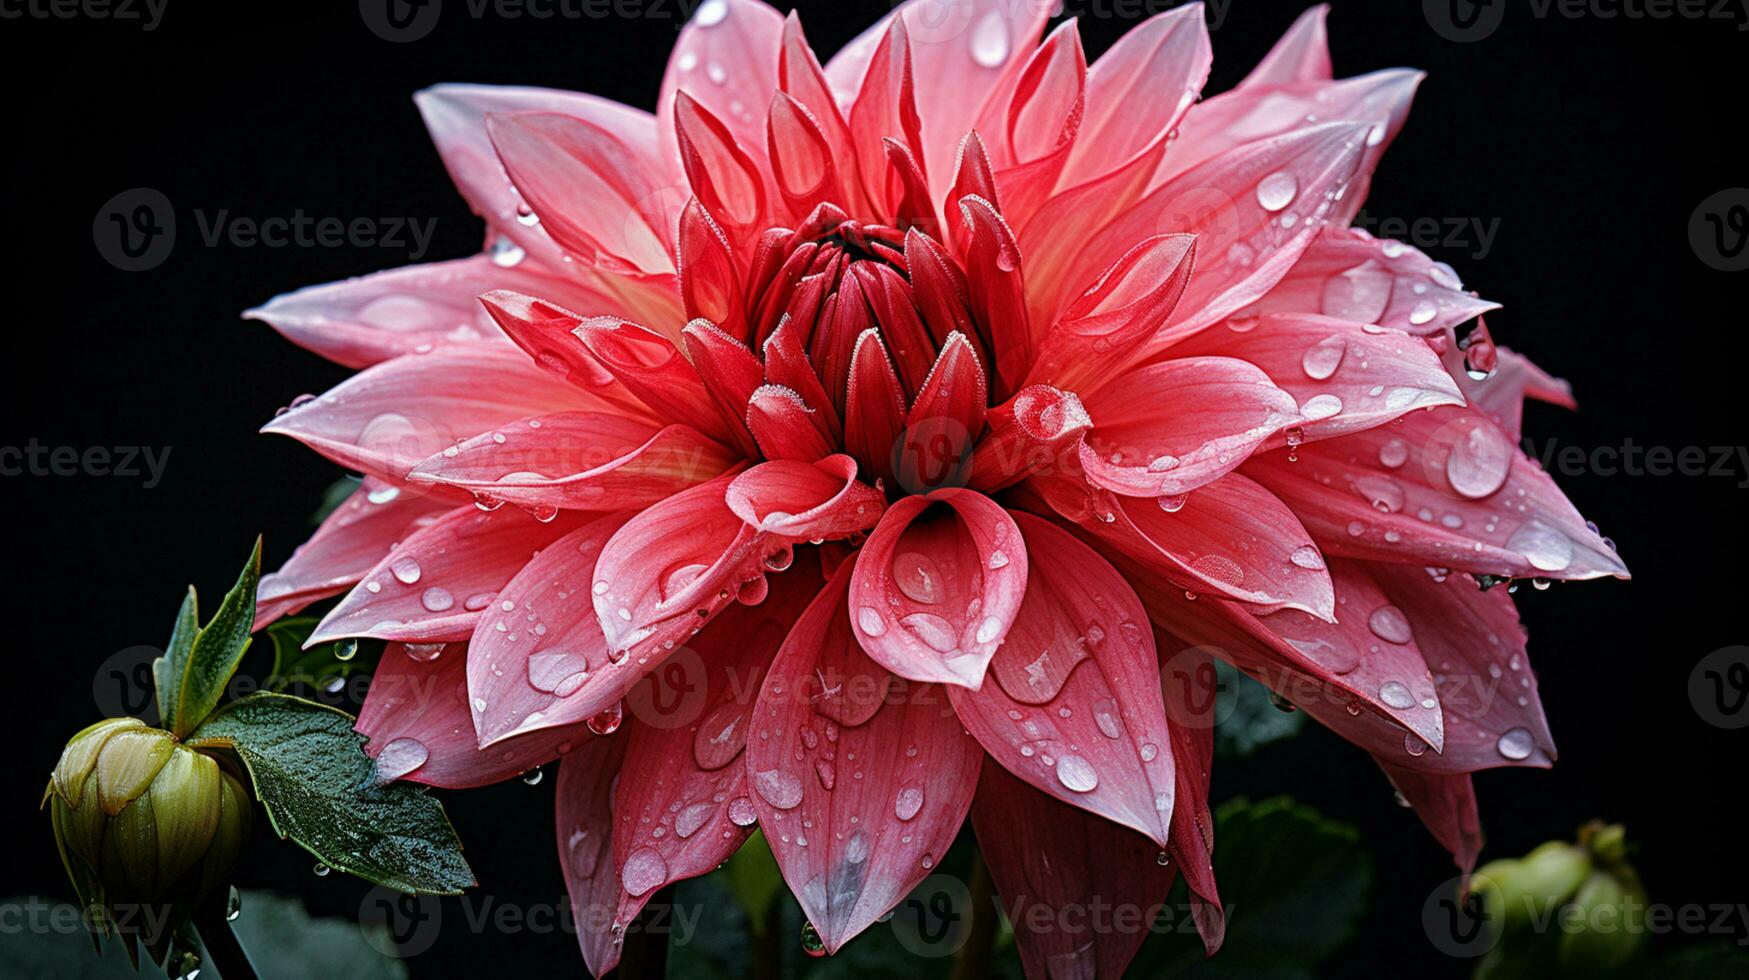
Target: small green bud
147, 828
1605, 925
1537, 884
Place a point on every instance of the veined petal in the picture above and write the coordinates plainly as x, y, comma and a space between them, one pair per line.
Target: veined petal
726, 60
538, 658
947, 416
1139, 90
1108, 328
417, 718
387, 419
577, 461
1169, 428
1446, 805
1091, 734
783, 426
1345, 377
600, 907
1034, 124
855, 815
1189, 684
672, 568
651, 367
805, 501
938, 586
997, 290
434, 586
349, 544
1046, 857
1027, 434
1444, 489
1348, 274
874, 408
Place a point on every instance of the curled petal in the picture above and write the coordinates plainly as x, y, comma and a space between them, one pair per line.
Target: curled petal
545, 331
388, 419
938, 585
651, 367
1348, 274
599, 905
577, 461
949, 411
672, 568
1027, 434
433, 586
710, 284
1091, 734
997, 290
1107, 329
874, 408
805, 501
1139, 90
725, 61
417, 719
856, 815
783, 425
724, 178
1037, 122
1169, 428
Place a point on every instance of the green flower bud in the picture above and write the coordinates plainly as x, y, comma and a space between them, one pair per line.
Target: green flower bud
1605, 925
1529, 890
147, 828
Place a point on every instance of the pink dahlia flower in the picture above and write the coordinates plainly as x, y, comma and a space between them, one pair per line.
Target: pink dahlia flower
850, 450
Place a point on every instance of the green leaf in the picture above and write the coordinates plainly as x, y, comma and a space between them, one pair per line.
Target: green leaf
1294, 884
1250, 718
321, 664
192, 674
320, 790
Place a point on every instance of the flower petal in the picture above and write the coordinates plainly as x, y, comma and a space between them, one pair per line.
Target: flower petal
1345, 377
349, 543
387, 419
548, 666
1139, 90
855, 815
1105, 331
1169, 428
1189, 684
577, 461
726, 59
653, 368
1046, 859
1026, 435
433, 586
1302, 54
1091, 734
417, 718
1447, 806
672, 568
805, 501
1443, 488
1348, 274
938, 586
600, 908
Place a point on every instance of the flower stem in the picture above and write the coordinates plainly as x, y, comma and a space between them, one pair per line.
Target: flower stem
972, 962
222, 949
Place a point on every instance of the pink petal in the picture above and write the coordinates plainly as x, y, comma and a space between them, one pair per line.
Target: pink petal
1139, 90
1443, 488
683, 787
726, 59
874, 408
1189, 685
992, 262
600, 908
548, 666
1447, 805
1046, 859
417, 718
1026, 435
1302, 54
728, 180
1105, 330
884, 108
1501, 395
856, 816
730, 371
948, 415
588, 190
672, 568
1169, 428
1255, 209
433, 586
938, 586
349, 543
456, 117
364, 321
806, 501
1350, 275
710, 283
787, 365
1095, 738
1034, 125
387, 419
800, 77
1229, 538
1345, 377
577, 461
651, 367
783, 427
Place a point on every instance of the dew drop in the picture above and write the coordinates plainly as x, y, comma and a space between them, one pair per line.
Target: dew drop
1277, 190
406, 570
908, 802
1516, 744
1077, 774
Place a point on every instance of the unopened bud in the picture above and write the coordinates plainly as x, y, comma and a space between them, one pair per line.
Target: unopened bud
1529, 890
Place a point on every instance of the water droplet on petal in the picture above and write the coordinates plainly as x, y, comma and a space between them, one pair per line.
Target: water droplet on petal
644, 871
400, 757
908, 802
1277, 190
1077, 774
1323, 358
607, 721
990, 40
779, 788
1516, 744
1389, 624
406, 570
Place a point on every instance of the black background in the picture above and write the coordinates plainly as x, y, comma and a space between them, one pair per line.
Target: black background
1591, 140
